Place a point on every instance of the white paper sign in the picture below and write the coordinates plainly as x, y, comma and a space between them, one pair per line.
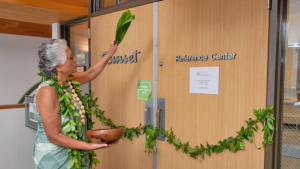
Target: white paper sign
80, 69
204, 80
31, 107
31, 113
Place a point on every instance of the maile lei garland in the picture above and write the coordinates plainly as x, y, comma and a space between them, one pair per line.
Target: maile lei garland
90, 107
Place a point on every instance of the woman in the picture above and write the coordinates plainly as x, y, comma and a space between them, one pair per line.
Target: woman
50, 148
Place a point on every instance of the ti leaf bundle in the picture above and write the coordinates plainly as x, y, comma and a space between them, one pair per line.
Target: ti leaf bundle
123, 25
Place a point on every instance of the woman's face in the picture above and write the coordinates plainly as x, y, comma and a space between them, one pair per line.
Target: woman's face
69, 66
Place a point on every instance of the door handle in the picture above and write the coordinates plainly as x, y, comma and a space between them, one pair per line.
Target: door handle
157, 117
146, 116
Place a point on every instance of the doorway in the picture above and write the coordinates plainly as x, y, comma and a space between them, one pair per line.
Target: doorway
76, 33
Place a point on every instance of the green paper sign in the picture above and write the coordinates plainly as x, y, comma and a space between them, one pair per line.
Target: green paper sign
144, 88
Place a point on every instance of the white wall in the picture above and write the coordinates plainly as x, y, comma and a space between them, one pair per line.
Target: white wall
18, 66
16, 143
55, 31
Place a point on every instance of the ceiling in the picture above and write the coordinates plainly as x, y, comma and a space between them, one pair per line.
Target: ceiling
38, 15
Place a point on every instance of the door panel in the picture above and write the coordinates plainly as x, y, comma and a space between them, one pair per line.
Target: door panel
116, 87
200, 27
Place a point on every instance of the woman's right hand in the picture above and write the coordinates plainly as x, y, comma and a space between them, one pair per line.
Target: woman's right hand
94, 146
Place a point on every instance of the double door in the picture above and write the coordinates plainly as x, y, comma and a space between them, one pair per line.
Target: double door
191, 28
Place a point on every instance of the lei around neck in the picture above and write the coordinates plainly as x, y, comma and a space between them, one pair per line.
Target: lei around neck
72, 126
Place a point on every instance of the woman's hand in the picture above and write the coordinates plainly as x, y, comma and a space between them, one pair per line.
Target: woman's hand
94, 71
113, 48
99, 146
94, 146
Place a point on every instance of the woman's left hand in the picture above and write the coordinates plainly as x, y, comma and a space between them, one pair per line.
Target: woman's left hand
113, 48
94, 71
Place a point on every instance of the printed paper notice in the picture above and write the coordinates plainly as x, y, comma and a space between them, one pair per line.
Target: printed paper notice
31, 113
204, 80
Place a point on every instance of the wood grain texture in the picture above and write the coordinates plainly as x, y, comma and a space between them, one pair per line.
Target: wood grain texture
74, 6
13, 106
25, 13
199, 27
25, 28
116, 86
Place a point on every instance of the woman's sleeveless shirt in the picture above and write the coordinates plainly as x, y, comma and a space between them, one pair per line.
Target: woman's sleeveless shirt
47, 155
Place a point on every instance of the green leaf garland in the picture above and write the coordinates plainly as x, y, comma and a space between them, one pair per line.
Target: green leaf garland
231, 143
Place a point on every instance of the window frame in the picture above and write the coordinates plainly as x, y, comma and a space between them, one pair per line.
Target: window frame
96, 10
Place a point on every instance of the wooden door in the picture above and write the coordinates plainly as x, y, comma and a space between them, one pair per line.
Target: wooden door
116, 87
201, 27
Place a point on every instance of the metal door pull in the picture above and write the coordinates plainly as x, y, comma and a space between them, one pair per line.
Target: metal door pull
147, 116
157, 117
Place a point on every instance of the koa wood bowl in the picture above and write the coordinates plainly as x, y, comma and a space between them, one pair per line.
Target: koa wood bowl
107, 136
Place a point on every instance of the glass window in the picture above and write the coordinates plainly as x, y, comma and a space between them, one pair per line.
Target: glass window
79, 45
106, 3
103, 4
290, 147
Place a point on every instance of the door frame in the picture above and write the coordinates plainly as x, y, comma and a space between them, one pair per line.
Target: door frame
65, 27
276, 56
93, 11
65, 34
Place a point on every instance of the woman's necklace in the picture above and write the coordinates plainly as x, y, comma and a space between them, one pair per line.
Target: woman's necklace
79, 106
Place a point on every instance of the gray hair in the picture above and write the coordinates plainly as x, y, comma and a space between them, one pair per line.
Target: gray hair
52, 53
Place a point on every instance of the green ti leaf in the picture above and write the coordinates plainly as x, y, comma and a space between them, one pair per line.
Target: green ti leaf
65, 124
67, 100
73, 123
52, 83
67, 129
61, 98
71, 163
69, 95
123, 25
95, 161
231, 147
270, 108
241, 146
207, 152
270, 125
75, 82
202, 155
56, 85
191, 150
40, 74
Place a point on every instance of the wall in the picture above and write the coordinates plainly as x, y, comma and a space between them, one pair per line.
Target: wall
18, 66
16, 141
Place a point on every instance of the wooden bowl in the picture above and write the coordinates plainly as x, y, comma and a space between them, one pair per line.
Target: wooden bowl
107, 136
